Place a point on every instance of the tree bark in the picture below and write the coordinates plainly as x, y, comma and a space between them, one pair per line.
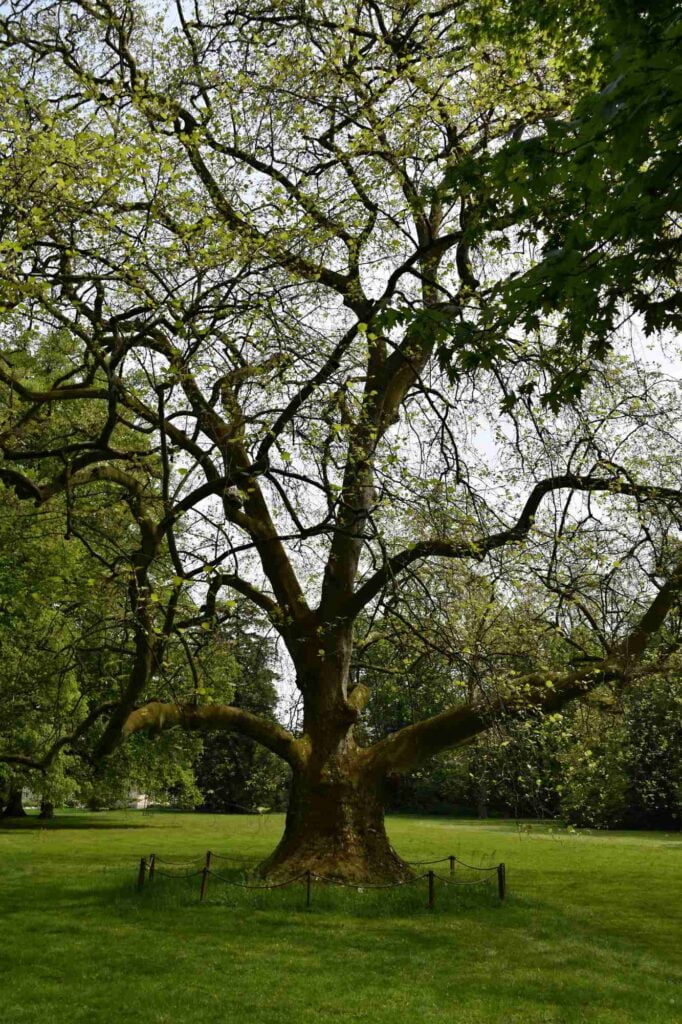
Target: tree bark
335, 829
335, 821
14, 807
46, 810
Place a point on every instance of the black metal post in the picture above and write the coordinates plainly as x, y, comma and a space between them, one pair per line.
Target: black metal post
501, 881
432, 890
452, 865
152, 865
142, 872
204, 876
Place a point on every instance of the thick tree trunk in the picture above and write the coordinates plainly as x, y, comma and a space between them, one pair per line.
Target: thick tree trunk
335, 822
14, 807
335, 828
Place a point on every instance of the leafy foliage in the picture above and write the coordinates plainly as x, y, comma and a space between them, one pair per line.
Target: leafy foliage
233, 773
592, 199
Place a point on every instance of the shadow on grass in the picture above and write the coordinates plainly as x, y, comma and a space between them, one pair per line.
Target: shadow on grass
66, 821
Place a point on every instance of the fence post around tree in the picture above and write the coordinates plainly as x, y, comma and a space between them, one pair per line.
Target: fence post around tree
142, 872
152, 865
452, 860
204, 876
432, 890
501, 881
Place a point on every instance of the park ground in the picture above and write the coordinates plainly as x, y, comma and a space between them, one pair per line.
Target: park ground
591, 930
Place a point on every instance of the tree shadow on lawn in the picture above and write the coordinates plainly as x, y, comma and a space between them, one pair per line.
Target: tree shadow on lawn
537, 960
537, 920
567, 967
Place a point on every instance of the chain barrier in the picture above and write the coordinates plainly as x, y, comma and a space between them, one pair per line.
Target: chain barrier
240, 860
418, 863
245, 885
457, 881
358, 886
177, 863
176, 874
472, 867
148, 868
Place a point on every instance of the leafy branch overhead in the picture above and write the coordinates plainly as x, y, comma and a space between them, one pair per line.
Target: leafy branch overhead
594, 196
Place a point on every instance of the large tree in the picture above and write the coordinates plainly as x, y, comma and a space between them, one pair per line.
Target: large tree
243, 235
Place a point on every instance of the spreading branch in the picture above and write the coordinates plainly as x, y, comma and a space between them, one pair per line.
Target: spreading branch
156, 717
478, 547
536, 693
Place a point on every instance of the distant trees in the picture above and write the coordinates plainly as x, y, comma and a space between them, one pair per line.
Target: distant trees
233, 773
607, 764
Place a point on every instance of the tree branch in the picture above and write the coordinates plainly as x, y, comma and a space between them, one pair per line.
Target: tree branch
539, 692
44, 762
481, 546
156, 717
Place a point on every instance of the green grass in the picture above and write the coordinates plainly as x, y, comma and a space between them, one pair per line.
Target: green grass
591, 931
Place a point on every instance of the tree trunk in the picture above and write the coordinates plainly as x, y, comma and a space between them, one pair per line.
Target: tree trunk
46, 810
14, 807
335, 821
335, 828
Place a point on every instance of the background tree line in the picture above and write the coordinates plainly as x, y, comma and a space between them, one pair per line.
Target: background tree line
615, 761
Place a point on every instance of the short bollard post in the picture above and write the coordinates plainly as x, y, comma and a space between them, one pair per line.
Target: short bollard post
152, 865
205, 871
142, 872
432, 890
501, 881
308, 888
452, 865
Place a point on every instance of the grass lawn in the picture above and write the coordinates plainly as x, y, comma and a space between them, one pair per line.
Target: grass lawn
591, 930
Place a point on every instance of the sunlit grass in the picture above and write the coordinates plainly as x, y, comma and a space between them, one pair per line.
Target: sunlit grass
590, 931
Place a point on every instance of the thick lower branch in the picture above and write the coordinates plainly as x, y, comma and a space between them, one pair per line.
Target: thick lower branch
541, 692
155, 717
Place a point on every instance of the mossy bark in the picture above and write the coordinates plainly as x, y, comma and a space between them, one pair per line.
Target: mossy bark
335, 829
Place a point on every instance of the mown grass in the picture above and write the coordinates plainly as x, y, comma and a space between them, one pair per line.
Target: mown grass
591, 930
